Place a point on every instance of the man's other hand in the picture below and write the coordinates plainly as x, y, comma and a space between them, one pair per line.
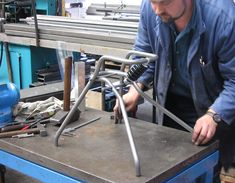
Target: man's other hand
130, 100
204, 130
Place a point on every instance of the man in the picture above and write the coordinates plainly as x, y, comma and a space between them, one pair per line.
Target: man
194, 75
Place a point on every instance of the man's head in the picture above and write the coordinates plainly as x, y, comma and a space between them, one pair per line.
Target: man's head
169, 10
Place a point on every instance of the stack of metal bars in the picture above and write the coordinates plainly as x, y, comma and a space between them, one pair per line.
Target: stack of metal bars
48, 75
116, 8
93, 32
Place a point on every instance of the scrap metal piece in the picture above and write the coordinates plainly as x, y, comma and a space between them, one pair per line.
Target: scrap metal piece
60, 116
71, 129
68, 134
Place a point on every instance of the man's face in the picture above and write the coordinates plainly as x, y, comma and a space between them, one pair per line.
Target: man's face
169, 10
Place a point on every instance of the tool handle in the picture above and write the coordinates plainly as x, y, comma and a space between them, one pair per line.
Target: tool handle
12, 128
17, 132
31, 125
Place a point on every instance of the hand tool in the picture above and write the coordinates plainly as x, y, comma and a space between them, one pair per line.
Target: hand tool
68, 130
24, 135
39, 130
42, 130
12, 128
9, 97
19, 125
31, 125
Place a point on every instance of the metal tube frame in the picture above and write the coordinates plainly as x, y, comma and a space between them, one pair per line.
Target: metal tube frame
128, 127
128, 56
95, 76
101, 75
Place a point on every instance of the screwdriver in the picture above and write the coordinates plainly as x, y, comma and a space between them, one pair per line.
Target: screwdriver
31, 125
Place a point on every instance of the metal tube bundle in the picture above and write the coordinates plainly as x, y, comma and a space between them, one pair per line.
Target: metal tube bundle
99, 32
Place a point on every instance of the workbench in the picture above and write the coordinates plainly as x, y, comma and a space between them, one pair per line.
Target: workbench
100, 152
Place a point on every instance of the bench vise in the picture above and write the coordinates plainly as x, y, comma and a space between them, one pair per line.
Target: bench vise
9, 96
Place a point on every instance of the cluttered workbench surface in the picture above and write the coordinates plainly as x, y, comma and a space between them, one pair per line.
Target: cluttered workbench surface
100, 151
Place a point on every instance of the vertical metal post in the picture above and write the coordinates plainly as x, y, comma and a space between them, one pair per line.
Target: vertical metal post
80, 82
3, 9
8, 59
67, 82
35, 23
102, 86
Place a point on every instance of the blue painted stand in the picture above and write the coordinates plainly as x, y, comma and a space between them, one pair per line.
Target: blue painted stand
33, 170
203, 168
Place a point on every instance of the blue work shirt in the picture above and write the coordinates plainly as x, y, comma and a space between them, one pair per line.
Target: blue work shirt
210, 58
179, 98
180, 42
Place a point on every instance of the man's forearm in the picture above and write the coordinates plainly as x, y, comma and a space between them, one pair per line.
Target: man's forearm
134, 92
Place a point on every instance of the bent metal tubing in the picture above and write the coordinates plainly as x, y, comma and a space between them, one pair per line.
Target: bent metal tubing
127, 125
95, 75
164, 110
128, 56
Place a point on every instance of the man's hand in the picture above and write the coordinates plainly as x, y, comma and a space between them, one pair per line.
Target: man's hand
130, 100
204, 130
